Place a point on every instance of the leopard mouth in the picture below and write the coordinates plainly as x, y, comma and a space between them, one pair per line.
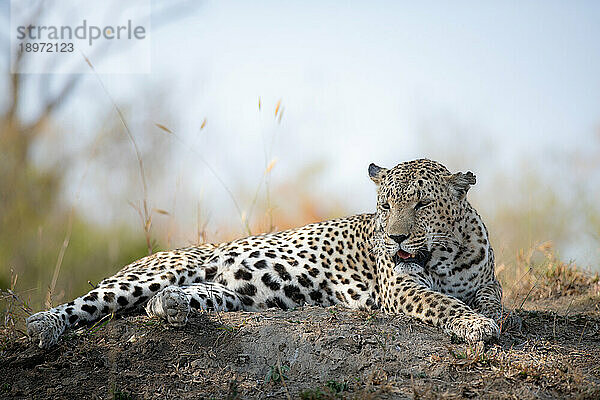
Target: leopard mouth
420, 258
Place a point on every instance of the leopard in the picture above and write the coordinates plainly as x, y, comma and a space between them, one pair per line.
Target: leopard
425, 252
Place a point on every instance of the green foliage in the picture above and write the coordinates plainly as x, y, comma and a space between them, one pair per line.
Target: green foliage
337, 387
277, 373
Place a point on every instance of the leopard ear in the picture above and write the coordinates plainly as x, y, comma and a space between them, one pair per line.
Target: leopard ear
376, 173
460, 183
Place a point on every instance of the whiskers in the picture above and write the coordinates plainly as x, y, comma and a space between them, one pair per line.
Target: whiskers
442, 239
430, 240
415, 245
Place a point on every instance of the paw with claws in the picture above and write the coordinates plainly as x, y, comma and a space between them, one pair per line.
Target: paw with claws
172, 304
45, 326
473, 328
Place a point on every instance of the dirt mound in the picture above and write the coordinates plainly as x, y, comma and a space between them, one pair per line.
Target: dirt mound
309, 353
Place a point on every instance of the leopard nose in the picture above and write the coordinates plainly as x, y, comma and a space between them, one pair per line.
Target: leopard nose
398, 238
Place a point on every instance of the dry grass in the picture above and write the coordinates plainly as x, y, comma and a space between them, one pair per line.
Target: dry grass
539, 273
532, 363
14, 313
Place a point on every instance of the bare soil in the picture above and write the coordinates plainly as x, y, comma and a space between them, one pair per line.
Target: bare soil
312, 353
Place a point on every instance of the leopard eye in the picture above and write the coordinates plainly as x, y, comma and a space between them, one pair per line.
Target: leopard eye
423, 203
385, 206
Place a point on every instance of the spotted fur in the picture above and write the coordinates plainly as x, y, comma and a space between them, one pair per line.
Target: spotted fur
424, 253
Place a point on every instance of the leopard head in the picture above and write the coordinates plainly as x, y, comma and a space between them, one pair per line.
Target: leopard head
419, 205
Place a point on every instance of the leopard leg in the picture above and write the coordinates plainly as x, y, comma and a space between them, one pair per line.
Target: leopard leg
129, 288
411, 297
47, 326
174, 303
488, 301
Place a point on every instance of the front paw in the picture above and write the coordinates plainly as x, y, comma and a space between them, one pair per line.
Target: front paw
473, 328
47, 326
172, 304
